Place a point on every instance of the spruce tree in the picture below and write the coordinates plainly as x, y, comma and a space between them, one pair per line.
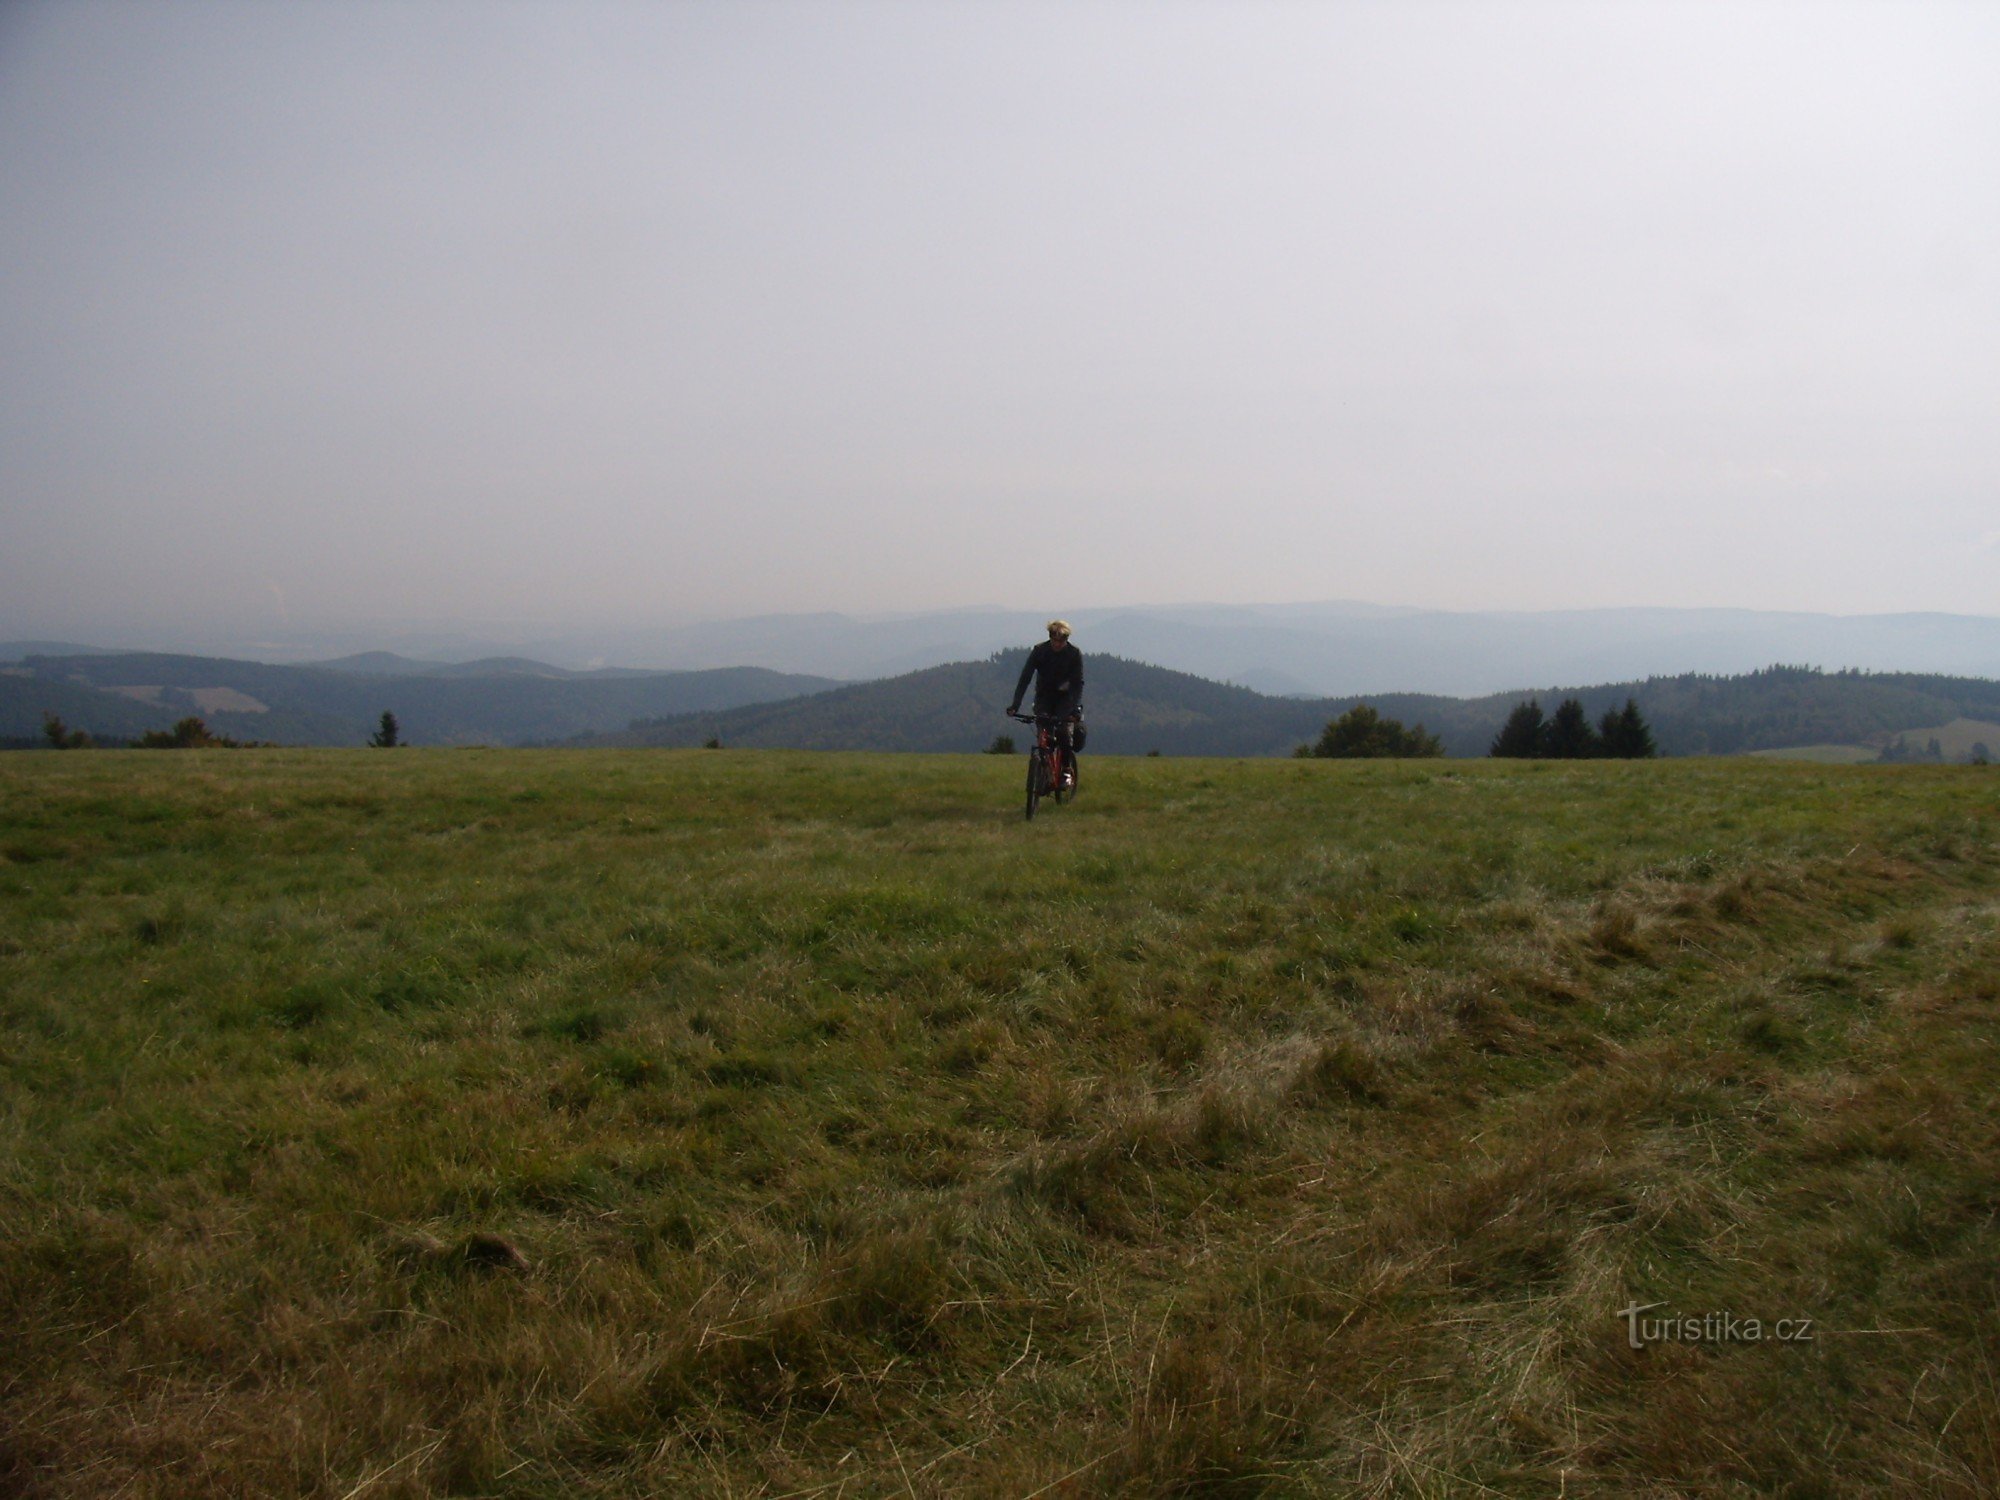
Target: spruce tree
1568, 736
389, 736
1625, 735
1521, 736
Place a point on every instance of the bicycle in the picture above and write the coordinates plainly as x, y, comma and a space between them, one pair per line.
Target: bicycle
1051, 763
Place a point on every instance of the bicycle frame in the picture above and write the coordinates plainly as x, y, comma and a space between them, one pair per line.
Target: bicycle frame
1051, 765
1051, 745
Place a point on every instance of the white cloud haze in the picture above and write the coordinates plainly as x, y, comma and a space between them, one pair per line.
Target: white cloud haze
591, 311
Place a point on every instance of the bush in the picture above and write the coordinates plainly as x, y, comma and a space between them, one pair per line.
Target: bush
189, 734
61, 737
1362, 733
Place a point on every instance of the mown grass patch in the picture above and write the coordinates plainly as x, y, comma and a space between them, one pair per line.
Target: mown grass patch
542, 1123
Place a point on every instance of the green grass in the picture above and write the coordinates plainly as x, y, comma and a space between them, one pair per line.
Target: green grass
589, 1124
1830, 755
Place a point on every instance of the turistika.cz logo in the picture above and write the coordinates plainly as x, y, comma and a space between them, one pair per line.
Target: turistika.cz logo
1709, 1328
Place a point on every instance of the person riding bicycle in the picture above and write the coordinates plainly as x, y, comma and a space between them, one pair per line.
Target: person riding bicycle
1057, 668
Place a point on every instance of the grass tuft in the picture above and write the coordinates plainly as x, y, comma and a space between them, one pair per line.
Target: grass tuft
1341, 1072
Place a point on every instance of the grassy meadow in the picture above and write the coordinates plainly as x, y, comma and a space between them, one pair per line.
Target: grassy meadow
514, 1123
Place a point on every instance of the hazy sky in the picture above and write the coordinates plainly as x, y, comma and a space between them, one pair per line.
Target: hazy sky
588, 311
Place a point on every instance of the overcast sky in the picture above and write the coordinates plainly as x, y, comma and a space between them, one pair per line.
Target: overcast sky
601, 312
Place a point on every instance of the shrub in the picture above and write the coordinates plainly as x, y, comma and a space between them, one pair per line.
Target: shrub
61, 737
189, 734
1362, 733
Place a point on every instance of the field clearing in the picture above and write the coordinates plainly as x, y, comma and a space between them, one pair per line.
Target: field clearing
521, 1123
1956, 739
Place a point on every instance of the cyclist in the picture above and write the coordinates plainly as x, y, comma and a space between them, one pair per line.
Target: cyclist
1057, 668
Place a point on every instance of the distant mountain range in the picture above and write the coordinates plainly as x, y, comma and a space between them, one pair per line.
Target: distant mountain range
508, 702
1333, 650
1312, 650
388, 664
1134, 708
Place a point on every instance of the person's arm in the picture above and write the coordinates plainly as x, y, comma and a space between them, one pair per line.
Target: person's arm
1022, 686
1072, 684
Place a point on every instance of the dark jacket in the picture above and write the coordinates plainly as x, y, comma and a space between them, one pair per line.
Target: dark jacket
1058, 674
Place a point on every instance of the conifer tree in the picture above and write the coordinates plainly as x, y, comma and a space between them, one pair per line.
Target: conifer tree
389, 736
1521, 736
1625, 735
1568, 736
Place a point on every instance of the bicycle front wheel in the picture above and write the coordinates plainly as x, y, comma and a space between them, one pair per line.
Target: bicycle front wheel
1038, 775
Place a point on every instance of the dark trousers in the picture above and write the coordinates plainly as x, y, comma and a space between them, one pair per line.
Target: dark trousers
1065, 727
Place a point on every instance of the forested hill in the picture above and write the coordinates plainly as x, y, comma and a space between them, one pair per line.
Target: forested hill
118, 696
1696, 714
1134, 708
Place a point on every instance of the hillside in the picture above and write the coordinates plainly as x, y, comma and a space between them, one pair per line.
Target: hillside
1327, 649
389, 664
1134, 708
486, 1122
121, 695
14, 651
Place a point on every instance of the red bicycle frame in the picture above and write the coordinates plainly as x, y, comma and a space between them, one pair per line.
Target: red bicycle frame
1051, 763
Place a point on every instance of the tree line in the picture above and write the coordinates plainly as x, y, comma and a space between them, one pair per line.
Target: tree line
1622, 734
191, 733
1364, 733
